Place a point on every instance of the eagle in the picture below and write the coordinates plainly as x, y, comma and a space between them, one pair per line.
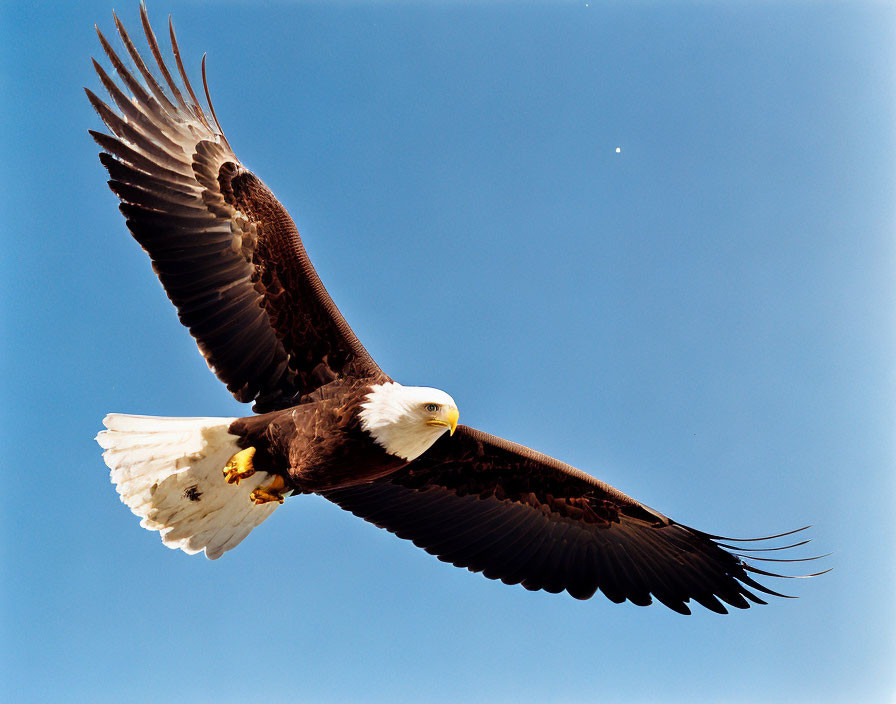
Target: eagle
327, 420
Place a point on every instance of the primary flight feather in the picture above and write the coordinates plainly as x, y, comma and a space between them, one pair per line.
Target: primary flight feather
329, 420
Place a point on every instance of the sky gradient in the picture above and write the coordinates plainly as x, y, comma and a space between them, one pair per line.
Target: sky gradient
703, 318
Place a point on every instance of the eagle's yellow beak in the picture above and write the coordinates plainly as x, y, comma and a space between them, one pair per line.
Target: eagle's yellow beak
448, 421
452, 417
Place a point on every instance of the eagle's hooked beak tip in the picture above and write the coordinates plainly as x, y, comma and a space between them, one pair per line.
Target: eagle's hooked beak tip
448, 420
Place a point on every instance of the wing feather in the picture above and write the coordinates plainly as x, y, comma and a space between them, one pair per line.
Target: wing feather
157, 54
225, 250
522, 517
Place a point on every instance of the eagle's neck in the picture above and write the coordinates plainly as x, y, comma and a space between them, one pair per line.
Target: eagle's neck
391, 415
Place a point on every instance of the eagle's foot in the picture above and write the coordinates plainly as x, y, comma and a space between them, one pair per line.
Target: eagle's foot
269, 493
239, 466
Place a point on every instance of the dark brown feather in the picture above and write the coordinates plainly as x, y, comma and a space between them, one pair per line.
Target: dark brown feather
160, 62
517, 515
228, 254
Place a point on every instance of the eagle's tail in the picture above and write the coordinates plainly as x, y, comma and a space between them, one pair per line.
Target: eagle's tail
169, 471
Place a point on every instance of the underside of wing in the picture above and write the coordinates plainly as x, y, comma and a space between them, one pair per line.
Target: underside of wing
225, 249
516, 515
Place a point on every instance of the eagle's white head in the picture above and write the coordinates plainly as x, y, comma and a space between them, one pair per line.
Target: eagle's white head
407, 420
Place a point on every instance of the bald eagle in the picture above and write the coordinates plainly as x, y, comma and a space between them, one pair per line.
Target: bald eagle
328, 420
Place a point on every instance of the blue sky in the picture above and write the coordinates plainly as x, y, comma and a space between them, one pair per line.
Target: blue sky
703, 319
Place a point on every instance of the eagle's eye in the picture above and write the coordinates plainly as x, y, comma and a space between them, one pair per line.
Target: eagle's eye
431, 407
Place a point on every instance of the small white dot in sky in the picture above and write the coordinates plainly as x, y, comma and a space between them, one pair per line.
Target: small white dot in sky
618, 149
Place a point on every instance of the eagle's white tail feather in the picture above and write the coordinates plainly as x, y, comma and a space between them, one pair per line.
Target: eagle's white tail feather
169, 471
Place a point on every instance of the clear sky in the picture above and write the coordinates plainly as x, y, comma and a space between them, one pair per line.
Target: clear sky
653, 239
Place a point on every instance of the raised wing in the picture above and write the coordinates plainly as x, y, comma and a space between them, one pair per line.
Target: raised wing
514, 514
225, 249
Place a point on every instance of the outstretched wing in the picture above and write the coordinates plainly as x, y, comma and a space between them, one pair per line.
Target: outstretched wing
226, 251
481, 502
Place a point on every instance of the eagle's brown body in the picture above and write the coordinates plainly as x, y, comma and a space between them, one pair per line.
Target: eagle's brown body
318, 445
231, 260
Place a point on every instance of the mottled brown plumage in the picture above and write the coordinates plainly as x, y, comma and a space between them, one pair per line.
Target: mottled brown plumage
231, 260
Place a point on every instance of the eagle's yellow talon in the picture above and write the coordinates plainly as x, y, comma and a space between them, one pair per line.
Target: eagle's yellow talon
239, 466
269, 493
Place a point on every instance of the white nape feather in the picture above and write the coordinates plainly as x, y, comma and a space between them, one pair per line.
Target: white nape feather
169, 471
395, 417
